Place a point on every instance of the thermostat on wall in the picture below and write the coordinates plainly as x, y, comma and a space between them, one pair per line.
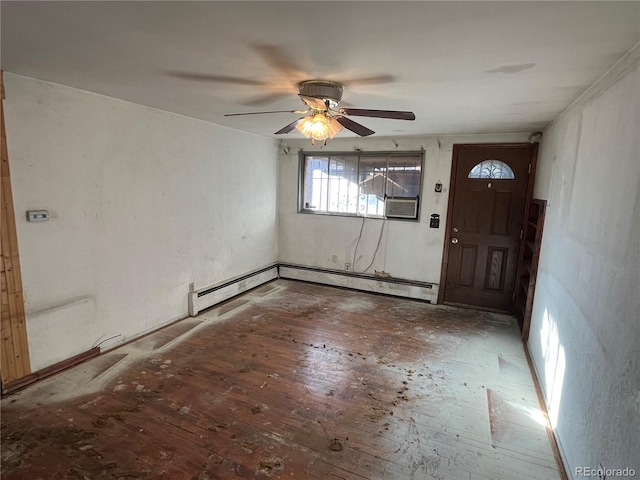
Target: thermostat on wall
37, 215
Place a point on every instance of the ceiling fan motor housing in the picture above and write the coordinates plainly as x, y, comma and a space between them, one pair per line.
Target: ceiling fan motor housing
324, 89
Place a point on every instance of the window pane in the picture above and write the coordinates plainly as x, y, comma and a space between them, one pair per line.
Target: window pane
350, 184
316, 177
343, 186
492, 169
330, 184
372, 173
403, 174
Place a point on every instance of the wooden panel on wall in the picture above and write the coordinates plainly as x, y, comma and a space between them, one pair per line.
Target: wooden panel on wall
14, 349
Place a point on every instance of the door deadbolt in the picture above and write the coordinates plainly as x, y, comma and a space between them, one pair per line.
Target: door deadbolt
455, 229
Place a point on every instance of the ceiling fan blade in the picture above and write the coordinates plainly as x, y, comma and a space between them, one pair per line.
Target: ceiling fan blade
265, 99
313, 102
289, 127
280, 60
354, 127
394, 114
261, 113
376, 80
213, 78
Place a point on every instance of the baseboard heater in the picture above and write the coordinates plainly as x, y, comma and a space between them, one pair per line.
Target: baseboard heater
211, 295
358, 281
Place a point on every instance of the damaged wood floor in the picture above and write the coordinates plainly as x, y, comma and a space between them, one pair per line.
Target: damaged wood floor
292, 380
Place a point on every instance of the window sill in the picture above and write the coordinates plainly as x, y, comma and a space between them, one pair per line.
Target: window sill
355, 215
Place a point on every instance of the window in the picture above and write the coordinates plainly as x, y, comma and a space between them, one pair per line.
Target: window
362, 184
492, 169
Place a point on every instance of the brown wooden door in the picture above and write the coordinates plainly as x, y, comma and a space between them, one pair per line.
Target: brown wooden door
489, 188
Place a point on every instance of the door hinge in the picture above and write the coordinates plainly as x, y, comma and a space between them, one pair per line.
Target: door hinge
529, 169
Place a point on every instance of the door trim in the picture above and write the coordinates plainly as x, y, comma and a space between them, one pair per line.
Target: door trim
457, 148
14, 348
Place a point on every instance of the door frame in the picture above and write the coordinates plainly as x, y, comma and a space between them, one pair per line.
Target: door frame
457, 148
15, 362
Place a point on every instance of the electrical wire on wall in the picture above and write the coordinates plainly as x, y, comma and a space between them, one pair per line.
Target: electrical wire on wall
375, 253
355, 251
98, 342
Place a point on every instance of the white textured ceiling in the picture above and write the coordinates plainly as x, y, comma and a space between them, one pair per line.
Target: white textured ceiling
462, 67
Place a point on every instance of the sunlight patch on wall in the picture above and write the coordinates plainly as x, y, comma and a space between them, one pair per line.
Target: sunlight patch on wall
554, 366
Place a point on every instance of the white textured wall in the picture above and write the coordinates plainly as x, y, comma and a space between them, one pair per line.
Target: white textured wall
142, 203
409, 250
585, 331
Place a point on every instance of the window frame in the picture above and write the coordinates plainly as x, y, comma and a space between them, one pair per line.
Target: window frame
303, 155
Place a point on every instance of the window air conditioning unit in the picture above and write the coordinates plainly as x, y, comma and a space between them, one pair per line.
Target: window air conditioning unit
401, 207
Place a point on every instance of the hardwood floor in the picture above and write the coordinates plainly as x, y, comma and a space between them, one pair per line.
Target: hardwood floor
292, 380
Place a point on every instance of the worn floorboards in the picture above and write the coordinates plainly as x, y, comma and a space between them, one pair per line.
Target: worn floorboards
292, 381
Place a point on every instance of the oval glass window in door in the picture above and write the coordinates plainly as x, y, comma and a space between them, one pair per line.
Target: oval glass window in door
495, 169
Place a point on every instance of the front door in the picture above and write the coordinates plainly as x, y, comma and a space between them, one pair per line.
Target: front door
489, 189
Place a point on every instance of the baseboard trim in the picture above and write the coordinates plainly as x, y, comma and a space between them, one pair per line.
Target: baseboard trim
23, 382
556, 447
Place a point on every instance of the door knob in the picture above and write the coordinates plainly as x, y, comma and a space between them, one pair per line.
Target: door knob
454, 240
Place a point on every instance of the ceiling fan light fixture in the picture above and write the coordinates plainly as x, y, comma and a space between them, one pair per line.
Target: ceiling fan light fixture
319, 127
334, 127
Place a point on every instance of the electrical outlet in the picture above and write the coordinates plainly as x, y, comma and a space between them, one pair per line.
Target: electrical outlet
347, 266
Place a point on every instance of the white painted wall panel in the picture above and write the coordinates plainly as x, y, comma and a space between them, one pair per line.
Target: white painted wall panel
142, 202
60, 332
585, 331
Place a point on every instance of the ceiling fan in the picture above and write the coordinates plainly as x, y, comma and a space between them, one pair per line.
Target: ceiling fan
322, 118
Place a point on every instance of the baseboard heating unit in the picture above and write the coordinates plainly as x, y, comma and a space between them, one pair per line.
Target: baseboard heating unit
358, 281
211, 295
